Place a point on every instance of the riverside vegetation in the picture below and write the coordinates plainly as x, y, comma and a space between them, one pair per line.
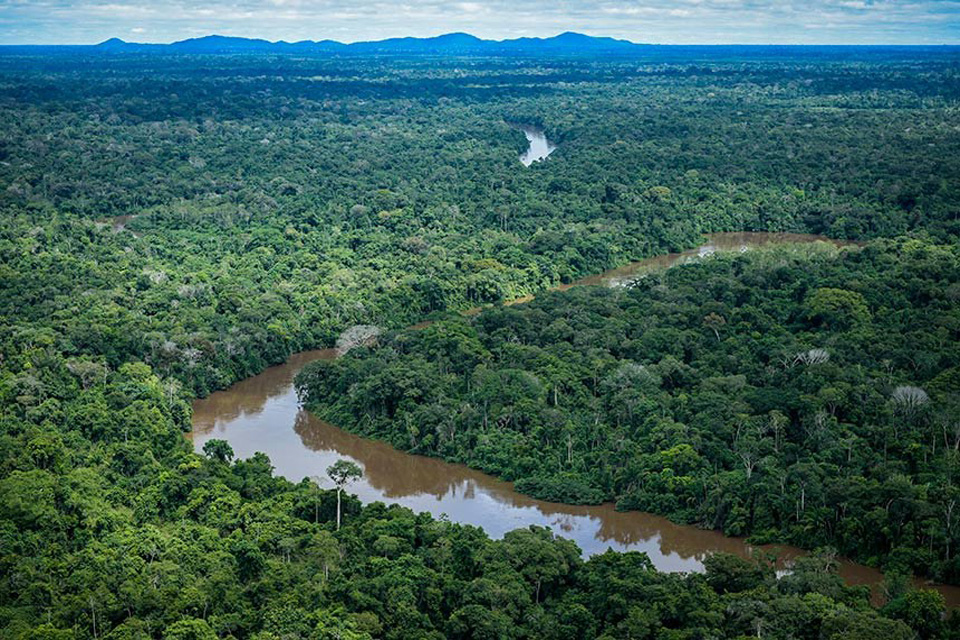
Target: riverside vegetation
805, 396
283, 199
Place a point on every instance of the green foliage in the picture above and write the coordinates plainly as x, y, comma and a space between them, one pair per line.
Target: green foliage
189, 629
837, 308
342, 472
921, 610
727, 573
806, 422
281, 201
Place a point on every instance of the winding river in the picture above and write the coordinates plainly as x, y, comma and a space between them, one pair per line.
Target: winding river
262, 413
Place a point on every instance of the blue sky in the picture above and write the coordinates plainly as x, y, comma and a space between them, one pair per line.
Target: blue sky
656, 21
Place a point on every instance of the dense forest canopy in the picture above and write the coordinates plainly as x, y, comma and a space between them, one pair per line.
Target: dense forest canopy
282, 199
788, 394
289, 198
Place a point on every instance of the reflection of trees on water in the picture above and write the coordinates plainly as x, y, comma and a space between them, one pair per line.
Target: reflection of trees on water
245, 399
716, 242
396, 475
248, 397
393, 473
565, 522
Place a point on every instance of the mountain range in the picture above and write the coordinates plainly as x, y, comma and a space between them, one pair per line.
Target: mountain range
451, 43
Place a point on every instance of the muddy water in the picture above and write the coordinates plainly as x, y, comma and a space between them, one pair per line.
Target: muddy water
716, 242
262, 413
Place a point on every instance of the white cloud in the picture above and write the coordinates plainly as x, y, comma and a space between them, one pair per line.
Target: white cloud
657, 21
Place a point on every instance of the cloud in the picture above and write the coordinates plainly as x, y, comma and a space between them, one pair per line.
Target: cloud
471, 7
657, 21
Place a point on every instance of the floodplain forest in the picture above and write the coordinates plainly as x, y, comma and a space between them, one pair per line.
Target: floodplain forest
172, 224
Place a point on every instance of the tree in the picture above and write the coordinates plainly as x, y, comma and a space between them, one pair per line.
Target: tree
189, 629
343, 472
728, 573
357, 336
922, 609
714, 322
837, 308
48, 632
218, 450
543, 560
846, 624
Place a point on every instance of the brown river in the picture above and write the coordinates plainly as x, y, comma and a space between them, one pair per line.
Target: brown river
262, 413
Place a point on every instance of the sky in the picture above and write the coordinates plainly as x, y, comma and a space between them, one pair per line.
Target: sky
648, 21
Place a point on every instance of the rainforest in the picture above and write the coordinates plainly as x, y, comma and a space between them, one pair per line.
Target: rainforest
173, 222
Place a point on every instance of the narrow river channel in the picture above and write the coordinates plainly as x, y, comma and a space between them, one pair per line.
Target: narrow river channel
263, 414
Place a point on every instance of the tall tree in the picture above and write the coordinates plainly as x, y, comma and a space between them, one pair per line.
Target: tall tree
343, 472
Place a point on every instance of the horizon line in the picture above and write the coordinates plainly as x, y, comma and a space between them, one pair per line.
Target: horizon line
488, 40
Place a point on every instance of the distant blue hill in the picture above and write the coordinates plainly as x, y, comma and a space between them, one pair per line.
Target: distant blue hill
464, 44
448, 44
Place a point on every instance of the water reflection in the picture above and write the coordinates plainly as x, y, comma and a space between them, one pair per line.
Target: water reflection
718, 242
260, 422
257, 415
262, 414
